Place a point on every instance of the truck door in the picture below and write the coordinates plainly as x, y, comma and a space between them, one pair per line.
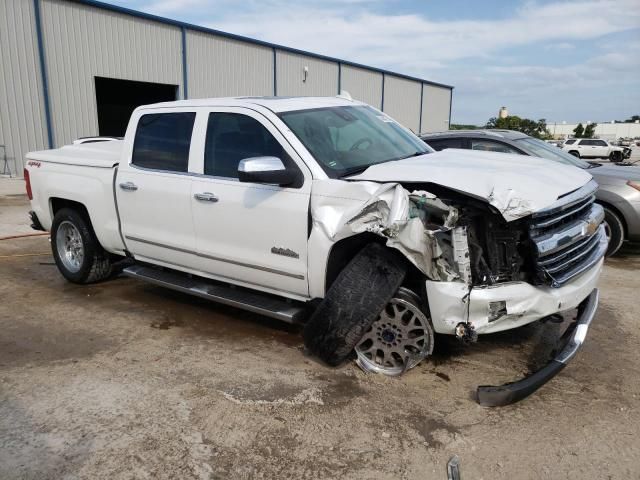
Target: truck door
153, 189
252, 233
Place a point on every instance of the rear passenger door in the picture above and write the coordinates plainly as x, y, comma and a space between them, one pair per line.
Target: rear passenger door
153, 189
250, 233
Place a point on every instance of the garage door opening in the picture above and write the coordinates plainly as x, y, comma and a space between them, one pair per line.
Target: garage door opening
116, 100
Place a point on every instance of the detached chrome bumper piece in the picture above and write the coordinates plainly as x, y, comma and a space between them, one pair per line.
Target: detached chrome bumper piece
496, 396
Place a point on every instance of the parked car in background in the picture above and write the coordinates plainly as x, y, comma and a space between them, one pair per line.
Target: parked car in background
595, 148
619, 191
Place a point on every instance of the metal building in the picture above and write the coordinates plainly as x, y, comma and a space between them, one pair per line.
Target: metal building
74, 68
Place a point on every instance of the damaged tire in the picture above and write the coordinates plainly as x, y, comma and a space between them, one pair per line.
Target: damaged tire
353, 302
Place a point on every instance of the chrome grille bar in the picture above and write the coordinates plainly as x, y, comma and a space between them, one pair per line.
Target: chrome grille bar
569, 237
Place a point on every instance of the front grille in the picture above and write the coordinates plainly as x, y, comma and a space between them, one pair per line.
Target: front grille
569, 237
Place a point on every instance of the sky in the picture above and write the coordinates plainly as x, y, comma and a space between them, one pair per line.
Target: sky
571, 61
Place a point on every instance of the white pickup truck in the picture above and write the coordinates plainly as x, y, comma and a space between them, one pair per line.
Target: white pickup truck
328, 212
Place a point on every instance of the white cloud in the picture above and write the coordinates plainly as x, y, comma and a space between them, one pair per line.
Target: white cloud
483, 58
417, 43
562, 46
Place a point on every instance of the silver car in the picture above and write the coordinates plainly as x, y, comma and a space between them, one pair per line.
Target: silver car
619, 191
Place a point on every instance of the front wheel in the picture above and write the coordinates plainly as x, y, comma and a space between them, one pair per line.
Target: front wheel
575, 153
615, 231
400, 338
76, 250
615, 157
353, 302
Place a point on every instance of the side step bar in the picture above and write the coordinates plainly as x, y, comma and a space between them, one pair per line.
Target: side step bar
261, 303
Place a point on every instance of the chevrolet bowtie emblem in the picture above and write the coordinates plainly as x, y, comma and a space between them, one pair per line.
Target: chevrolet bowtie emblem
590, 228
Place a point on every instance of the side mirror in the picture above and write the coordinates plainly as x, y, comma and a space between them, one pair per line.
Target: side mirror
267, 170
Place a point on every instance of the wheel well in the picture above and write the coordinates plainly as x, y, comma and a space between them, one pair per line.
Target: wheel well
59, 203
618, 213
344, 250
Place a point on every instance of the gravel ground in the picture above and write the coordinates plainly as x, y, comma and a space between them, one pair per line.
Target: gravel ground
125, 380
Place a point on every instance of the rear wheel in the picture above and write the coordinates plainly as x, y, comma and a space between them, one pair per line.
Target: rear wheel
614, 229
76, 250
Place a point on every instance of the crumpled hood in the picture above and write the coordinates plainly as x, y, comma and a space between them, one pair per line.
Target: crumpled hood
516, 185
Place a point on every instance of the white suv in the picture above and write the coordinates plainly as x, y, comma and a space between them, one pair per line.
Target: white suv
594, 148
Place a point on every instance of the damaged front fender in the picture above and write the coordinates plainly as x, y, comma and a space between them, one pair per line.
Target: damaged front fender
417, 223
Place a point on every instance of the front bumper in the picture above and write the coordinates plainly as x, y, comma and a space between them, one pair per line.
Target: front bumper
495, 396
451, 303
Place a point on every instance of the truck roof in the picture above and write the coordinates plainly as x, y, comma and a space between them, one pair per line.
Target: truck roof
493, 132
276, 104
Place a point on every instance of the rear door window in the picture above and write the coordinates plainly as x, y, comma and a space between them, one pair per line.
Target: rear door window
442, 143
492, 146
163, 140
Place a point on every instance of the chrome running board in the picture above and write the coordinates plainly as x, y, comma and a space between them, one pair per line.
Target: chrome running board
261, 303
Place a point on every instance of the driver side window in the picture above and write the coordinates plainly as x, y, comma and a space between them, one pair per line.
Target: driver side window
232, 137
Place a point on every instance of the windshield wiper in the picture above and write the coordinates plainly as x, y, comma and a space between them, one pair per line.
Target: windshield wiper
594, 165
355, 170
414, 154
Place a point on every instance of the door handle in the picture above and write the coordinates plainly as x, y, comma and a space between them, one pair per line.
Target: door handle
206, 197
129, 186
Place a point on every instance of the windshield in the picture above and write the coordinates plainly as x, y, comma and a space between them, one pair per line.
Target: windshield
348, 139
539, 148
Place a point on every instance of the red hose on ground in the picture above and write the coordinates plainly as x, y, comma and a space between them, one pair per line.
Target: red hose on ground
39, 234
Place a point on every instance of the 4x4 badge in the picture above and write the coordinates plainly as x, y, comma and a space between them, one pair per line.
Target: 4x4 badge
287, 252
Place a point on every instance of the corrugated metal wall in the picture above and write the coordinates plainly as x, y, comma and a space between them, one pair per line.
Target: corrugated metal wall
82, 42
402, 101
322, 79
363, 85
222, 67
22, 120
436, 102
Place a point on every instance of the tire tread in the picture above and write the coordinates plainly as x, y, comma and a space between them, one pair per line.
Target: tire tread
353, 302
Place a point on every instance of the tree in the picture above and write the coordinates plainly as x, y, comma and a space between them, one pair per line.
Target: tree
578, 131
537, 129
590, 130
631, 119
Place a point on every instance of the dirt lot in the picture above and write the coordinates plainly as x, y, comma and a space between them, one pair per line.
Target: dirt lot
126, 380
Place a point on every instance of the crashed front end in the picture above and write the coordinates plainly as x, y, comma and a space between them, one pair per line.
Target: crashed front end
525, 270
485, 274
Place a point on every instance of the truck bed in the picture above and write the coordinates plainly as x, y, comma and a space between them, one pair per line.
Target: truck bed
103, 154
82, 173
